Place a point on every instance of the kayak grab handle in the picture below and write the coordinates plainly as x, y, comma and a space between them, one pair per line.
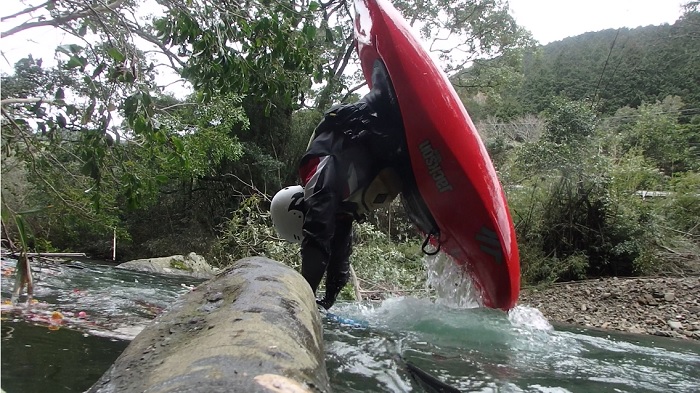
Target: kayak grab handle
427, 240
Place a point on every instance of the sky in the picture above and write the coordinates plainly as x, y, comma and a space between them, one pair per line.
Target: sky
553, 20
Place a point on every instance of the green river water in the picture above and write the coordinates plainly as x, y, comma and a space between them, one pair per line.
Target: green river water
369, 347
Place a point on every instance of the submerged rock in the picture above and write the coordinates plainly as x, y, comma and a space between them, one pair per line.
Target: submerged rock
191, 265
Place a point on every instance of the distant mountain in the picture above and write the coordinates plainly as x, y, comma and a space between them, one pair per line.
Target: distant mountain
611, 68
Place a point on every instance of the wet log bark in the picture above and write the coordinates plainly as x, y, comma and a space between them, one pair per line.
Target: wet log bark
253, 328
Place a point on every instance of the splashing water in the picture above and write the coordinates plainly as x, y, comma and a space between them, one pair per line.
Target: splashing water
452, 285
528, 317
456, 289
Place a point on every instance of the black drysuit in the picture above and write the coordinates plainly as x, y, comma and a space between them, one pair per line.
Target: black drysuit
349, 148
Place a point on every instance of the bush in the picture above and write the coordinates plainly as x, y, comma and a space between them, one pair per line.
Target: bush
683, 204
380, 263
539, 268
249, 232
383, 264
575, 211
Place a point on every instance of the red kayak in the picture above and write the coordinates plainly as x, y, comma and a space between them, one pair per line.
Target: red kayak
453, 173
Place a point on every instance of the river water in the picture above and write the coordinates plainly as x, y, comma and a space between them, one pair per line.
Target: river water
88, 312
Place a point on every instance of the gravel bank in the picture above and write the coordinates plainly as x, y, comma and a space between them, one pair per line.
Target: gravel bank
667, 306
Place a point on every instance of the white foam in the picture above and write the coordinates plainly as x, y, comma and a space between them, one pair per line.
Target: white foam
127, 333
549, 389
528, 317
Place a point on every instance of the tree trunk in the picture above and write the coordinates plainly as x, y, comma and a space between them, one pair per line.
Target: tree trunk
253, 328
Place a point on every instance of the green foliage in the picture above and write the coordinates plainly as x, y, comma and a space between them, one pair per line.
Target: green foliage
265, 146
262, 47
249, 232
683, 205
655, 132
380, 263
303, 123
193, 174
568, 123
573, 226
176, 264
485, 29
187, 164
486, 88
99, 172
385, 264
563, 145
482, 30
67, 146
23, 278
539, 268
201, 134
394, 223
93, 176
634, 172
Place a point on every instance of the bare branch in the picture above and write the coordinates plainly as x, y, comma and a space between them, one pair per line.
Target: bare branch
172, 57
30, 100
25, 11
249, 185
60, 20
32, 159
31, 25
339, 67
165, 109
354, 89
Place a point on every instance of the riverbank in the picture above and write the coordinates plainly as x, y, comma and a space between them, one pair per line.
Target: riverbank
662, 306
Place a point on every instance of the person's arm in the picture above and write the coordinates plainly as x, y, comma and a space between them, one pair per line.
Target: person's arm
338, 271
321, 200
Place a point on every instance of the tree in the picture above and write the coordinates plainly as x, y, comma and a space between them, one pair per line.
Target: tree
655, 131
570, 224
461, 33
106, 147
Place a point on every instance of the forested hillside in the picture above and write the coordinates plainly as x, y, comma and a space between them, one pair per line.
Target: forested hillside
610, 69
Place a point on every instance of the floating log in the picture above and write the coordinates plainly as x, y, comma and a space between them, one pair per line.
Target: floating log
255, 327
50, 254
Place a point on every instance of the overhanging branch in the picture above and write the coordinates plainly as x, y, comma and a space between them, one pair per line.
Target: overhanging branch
25, 11
60, 20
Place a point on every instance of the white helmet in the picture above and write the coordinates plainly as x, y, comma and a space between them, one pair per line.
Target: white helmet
287, 211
